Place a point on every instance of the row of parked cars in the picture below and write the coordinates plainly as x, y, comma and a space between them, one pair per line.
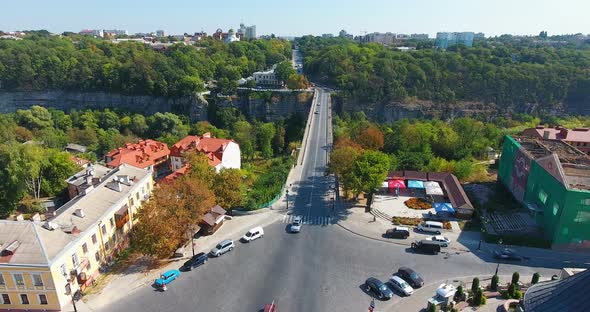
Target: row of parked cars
201, 258
405, 280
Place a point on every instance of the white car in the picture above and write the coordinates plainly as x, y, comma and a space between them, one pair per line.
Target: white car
400, 285
296, 225
253, 234
444, 242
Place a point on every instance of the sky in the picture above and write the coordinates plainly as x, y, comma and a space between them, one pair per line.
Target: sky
302, 17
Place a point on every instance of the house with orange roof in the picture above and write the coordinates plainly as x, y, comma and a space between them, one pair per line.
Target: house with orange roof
145, 154
221, 153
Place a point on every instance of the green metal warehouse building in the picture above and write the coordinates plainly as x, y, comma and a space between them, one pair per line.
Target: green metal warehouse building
552, 180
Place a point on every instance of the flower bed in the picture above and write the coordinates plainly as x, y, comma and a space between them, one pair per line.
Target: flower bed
418, 204
406, 221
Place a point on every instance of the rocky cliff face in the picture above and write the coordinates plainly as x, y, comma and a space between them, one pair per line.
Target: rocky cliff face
268, 106
193, 106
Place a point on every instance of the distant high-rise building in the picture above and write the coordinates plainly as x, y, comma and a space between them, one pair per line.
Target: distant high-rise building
344, 34
479, 35
116, 32
160, 33
247, 32
419, 36
445, 40
327, 36
382, 38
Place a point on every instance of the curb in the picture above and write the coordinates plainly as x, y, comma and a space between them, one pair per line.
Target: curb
390, 241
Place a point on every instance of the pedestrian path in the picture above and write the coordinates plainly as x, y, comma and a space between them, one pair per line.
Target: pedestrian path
311, 220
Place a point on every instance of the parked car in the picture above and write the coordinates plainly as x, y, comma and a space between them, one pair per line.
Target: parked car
431, 227
195, 261
270, 307
378, 288
398, 232
411, 277
426, 246
167, 277
253, 234
223, 247
316, 112
296, 225
507, 254
443, 241
400, 285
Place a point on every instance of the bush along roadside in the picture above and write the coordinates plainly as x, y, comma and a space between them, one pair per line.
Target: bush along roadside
268, 187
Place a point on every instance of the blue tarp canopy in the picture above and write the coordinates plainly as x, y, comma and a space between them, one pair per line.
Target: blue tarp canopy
443, 207
415, 184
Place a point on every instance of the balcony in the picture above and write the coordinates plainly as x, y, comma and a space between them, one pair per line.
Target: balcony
121, 220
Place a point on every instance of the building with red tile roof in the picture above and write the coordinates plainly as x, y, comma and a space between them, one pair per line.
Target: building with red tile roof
221, 153
176, 174
577, 137
145, 154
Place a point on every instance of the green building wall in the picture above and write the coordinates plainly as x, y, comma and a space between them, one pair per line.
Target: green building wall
509, 149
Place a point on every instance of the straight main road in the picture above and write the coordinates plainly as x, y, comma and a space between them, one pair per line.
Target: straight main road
320, 269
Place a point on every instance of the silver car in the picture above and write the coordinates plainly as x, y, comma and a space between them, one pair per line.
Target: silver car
223, 247
296, 225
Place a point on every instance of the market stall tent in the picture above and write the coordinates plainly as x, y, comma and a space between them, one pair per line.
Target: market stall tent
415, 184
433, 188
443, 207
395, 184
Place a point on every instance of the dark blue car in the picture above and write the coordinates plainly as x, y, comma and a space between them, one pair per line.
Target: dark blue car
167, 277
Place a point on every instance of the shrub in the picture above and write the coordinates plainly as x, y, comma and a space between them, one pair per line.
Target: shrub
536, 278
511, 291
454, 310
517, 294
459, 295
495, 280
484, 300
515, 278
431, 308
475, 285
478, 298
417, 203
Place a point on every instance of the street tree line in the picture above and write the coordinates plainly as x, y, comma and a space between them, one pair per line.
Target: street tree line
508, 75
42, 62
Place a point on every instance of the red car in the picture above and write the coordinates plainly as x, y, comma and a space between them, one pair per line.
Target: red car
270, 307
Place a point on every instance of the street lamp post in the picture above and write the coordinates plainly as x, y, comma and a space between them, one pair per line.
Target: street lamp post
287, 192
72, 294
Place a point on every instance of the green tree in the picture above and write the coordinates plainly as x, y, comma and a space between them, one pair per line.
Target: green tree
494, 284
55, 169
535, 278
242, 133
515, 278
368, 172
266, 132
475, 285
284, 70
35, 118
229, 189
138, 125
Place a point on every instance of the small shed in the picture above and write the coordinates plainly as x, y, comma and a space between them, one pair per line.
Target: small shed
213, 220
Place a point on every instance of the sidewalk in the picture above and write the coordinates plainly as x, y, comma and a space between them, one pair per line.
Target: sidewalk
120, 284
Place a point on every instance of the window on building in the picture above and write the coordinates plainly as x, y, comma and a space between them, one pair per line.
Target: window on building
143, 190
18, 279
104, 229
542, 196
585, 202
85, 248
62, 269
97, 257
88, 266
132, 201
5, 299
582, 217
107, 246
37, 280
94, 239
137, 195
24, 299
555, 208
75, 260
112, 221
2, 282
114, 237
42, 299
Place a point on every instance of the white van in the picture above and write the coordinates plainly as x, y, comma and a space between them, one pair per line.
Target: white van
431, 227
253, 234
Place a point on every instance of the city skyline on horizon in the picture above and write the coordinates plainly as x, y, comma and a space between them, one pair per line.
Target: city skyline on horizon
526, 17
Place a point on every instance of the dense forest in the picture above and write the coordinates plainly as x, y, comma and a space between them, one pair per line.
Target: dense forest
43, 62
508, 75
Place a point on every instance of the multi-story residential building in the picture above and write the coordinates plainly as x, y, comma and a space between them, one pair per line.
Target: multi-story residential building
116, 32
161, 33
552, 180
419, 36
344, 34
247, 32
578, 137
85, 180
43, 263
221, 153
92, 32
479, 35
148, 154
382, 38
445, 40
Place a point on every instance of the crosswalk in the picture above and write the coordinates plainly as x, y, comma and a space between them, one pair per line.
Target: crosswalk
311, 220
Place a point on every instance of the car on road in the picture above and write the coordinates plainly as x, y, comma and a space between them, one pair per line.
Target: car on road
316, 112
253, 234
411, 277
397, 232
400, 285
378, 288
223, 247
195, 261
296, 225
426, 246
507, 254
443, 241
167, 277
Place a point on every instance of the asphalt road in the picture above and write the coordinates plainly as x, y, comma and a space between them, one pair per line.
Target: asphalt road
319, 269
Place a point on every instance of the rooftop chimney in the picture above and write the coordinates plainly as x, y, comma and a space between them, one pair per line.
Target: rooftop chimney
79, 213
36, 217
10, 249
545, 134
20, 217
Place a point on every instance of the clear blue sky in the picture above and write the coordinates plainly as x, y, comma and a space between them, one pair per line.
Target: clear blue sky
292, 17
